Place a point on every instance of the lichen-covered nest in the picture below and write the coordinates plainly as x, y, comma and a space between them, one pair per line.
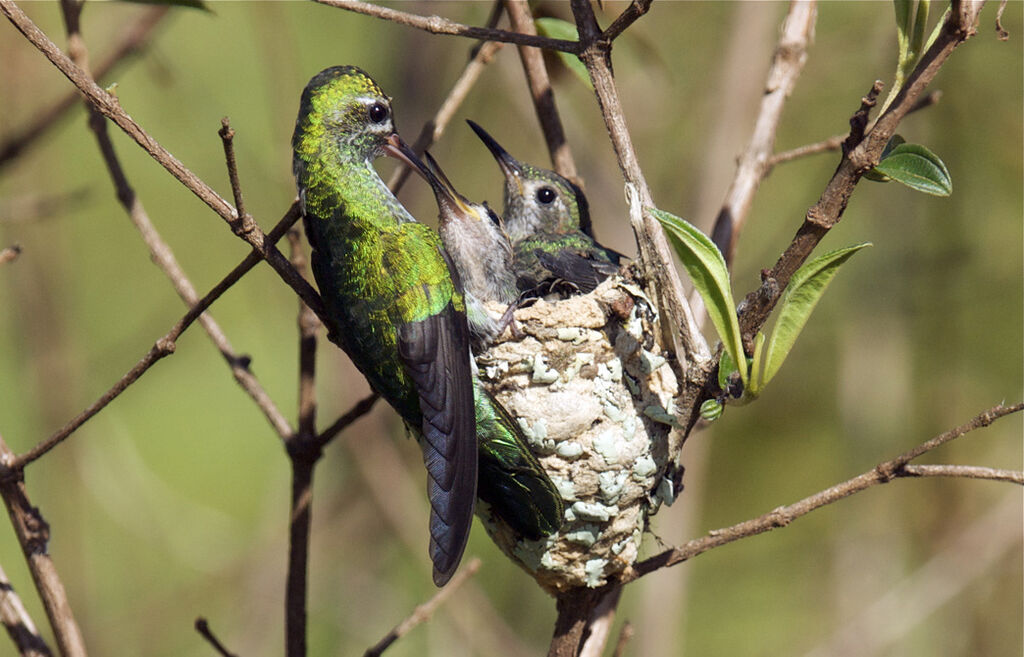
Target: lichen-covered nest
594, 397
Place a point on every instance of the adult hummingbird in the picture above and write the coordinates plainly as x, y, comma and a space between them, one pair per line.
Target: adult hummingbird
548, 220
393, 301
512, 481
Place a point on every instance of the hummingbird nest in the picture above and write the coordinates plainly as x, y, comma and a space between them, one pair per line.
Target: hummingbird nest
594, 397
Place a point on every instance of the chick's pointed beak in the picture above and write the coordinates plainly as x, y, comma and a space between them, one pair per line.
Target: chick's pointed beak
448, 198
509, 165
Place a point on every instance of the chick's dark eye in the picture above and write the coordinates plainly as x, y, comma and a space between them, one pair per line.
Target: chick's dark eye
545, 195
378, 113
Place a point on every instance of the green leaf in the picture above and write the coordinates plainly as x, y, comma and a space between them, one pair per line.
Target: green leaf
801, 295
191, 4
556, 28
710, 275
876, 175
918, 168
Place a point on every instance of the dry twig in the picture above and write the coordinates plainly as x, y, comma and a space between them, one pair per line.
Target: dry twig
882, 473
423, 612
9, 253
18, 623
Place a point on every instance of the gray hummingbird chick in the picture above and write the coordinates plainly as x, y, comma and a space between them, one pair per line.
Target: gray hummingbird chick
481, 252
547, 218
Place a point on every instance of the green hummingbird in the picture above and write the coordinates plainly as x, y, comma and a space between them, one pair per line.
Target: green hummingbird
512, 481
547, 218
393, 301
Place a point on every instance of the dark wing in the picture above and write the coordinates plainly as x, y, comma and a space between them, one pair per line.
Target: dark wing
582, 270
435, 352
512, 481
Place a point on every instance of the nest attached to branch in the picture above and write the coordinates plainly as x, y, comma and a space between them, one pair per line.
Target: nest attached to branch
594, 396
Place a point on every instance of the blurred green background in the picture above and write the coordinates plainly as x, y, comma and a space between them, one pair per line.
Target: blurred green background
172, 503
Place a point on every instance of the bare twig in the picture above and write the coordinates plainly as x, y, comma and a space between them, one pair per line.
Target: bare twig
600, 626
435, 127
438, 25
881, 474
787, 63
163, 347
423, 612
1001, 32
204, 630
133, 41
109, 106
681, 333
860, 157
303, 451
18, 623
361, 408
9, 253
227, 137
541, 92
635, 10
33, 534
962, 471
835, 141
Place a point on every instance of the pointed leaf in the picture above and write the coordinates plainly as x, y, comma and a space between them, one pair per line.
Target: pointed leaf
875, 174
801, 295
710, 275
556, 28
918, 168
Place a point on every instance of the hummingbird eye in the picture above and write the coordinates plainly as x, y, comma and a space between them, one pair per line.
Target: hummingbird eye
378, 113
545, 195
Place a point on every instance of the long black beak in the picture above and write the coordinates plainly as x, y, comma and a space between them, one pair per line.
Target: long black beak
445, 192
401, 151
509, 165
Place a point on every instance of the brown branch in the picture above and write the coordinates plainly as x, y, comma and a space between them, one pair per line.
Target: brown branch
9, 253
599, 626
575, 608
361, 408
787, 64
438, 25
435, 127
134, 41
963, 472
635, 10
541, 92
423, 612
163, 347
18, 623
109, 106
681, 333
882, 473
835, 141
227, 137
33, 535
204, 630
859, 158
304, 452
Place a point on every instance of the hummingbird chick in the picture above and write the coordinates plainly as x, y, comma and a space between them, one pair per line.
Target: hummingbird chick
548, 220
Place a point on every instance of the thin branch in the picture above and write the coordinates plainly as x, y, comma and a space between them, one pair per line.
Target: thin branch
9, 253
204, 630
423, 612
163, 347
600, 626
303, 452
681, 334
18, 623
963, 471
227, 137
439, 25
541, 92
860, 157
835, 141
787, 64
33, 535
435, 127
780, 517
109, 106
361, 408
635, 10
134, 40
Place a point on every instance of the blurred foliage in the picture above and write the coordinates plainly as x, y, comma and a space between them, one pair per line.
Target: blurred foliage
172, 503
